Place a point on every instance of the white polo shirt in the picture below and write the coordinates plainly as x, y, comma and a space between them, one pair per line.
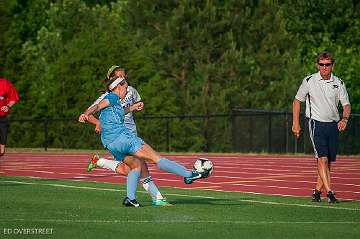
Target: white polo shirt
132, 96
322, 97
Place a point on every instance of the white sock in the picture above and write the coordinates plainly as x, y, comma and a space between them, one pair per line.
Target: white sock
151, 188
107, 164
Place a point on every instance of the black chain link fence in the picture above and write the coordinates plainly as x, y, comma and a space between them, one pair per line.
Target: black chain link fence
256, 131
270, 132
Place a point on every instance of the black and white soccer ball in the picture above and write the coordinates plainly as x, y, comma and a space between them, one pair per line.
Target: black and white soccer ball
203, 166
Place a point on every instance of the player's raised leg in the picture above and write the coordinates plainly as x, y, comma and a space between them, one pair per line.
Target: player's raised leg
150, 155
113, 165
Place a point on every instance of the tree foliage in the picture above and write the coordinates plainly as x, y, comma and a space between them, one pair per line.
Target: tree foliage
184, 57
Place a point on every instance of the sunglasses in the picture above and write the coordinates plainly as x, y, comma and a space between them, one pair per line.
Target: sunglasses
325, 64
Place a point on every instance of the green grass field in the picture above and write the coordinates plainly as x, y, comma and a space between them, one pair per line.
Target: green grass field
74, 209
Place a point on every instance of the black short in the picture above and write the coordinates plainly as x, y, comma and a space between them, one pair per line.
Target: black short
325, 138
4, 126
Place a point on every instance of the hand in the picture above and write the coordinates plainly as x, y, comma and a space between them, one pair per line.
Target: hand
296, 130
98, 128
342, 124
140, 106
137, 106
83, 118
5, 108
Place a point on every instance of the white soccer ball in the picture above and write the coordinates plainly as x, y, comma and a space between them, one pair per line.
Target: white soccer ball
203, 166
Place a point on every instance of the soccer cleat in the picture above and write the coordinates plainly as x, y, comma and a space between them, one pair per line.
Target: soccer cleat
124, 201
161, 202
194, 176
92, 163
316, 196
331, 197
131, 203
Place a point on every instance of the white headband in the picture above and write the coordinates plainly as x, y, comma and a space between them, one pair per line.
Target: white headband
115, 83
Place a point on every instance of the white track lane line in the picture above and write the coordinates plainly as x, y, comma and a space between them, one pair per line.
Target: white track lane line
190, 196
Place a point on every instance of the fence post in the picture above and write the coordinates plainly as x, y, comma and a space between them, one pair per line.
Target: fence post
269, 133
286, 132
46, 133
251, 132
231, 126
168, 134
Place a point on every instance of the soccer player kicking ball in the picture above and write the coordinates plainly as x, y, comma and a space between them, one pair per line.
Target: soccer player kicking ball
120, 142
131, 97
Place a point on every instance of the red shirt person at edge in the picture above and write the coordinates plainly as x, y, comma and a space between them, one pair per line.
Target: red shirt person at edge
8, 97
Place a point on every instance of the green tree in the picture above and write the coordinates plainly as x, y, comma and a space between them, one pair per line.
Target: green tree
334, 26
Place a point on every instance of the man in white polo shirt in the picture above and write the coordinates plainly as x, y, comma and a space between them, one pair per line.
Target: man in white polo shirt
322, 92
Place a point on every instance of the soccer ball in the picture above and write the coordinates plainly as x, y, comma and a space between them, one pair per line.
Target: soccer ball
203, 166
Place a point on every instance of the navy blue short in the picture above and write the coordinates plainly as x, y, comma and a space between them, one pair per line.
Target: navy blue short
4, 126
325, 138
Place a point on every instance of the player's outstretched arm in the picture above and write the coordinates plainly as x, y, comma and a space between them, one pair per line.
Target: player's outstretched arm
85, 116
140, 106
135, 107
93, 120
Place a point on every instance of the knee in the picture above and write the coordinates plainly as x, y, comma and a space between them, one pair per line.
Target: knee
323, 162
135, 164
149, 154
122, 169
144, 169
144, 165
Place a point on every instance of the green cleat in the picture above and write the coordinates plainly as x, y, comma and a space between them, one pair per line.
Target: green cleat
92, 163
161, 202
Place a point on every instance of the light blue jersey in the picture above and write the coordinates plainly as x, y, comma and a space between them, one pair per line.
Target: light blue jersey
115, 136
132, 96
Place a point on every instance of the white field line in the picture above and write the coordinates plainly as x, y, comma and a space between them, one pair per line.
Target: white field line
262, 193
243, 182
185, 195
176, 221
302, 181
278, 187
283, 187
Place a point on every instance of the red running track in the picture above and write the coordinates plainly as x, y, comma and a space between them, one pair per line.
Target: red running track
272, 175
